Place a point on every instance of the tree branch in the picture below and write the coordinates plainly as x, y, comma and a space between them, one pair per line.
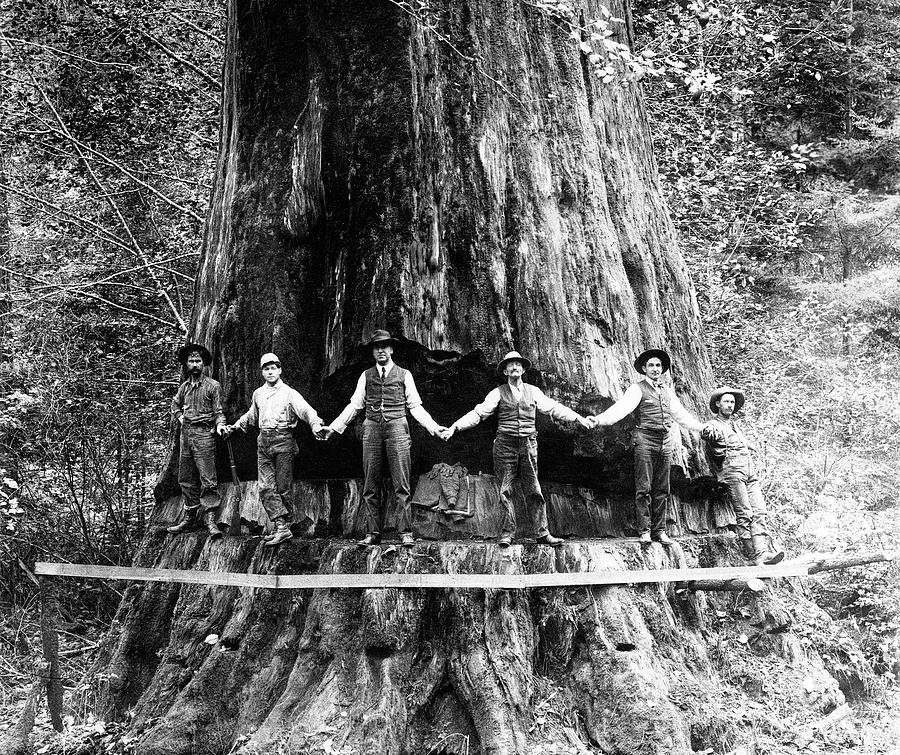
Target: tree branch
214, 83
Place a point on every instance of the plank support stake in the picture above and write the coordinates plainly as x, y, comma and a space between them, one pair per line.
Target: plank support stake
50, 643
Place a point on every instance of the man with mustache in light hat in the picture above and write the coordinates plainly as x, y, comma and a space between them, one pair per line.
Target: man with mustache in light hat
276, 408
515, 447
729, 454
198, 408
656, 409
385, 392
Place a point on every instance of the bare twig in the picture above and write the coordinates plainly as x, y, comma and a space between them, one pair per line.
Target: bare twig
118, 166
214, 83
137, 248
79, 292
69, 54
200, 29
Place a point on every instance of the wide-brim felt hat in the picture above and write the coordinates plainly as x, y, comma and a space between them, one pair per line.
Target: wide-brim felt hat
643, 357
719, 392
381, 336
185, 351
513, 356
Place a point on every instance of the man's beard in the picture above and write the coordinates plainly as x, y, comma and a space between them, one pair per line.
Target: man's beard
195, 370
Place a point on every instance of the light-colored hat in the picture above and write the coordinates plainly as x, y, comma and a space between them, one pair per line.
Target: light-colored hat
719, 392
269, 358
513, 356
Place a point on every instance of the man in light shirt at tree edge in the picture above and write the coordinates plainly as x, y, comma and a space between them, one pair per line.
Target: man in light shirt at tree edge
385, 392
515, 447
276, 408
729, 454
656, 409
198, 408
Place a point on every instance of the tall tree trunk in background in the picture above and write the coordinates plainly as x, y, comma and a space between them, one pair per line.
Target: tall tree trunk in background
465, 181
473, 188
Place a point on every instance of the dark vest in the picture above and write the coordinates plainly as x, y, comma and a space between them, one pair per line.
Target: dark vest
385, 399
516, 417
655, 410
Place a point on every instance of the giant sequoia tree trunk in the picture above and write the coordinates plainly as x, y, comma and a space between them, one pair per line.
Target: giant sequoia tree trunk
457, 174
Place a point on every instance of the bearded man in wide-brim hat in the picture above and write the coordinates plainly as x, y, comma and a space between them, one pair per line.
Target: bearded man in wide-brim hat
385, 392
197, 407
516, 404
655, 409
729, 454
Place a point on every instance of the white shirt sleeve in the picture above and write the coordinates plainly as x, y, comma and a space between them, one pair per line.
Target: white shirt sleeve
552, 407
482, 411
622, 408
250, 417
414, 404
682, 416
303, 410
357, 403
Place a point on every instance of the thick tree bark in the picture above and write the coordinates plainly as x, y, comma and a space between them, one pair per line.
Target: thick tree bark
464, 180
471, 186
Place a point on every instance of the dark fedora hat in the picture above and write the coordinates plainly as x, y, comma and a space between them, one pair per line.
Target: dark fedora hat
719, 392
185, 351
643, 357
513, 356
381, 336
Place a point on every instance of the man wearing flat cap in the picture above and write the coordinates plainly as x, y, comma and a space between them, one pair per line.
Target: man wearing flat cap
656, 409
275, 409
385, 392
197, 407
515, 447
729, 454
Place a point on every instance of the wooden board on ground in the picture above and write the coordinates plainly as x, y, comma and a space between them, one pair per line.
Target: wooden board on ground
421, 580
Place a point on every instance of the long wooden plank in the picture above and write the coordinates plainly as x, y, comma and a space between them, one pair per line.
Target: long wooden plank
418, 580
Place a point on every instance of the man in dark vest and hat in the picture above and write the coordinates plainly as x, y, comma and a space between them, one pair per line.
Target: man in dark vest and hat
385, 392
656, 409
197, 407
516, 404
729, 455
276, 409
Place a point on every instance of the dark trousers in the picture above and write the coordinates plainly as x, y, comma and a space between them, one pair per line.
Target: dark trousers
516, 459
746, 496
275, 451
389, 439
197, 467
652, 464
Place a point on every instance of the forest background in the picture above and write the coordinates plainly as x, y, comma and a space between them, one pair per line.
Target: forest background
777, 139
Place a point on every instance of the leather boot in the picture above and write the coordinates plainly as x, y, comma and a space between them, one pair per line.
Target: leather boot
187, 521
212, 527
764, 556
282, 532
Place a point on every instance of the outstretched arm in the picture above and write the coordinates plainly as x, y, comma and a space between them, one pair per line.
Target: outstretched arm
621, 409
482, 411
304, 411
357, 403
683, 417
414, 404
558, 411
